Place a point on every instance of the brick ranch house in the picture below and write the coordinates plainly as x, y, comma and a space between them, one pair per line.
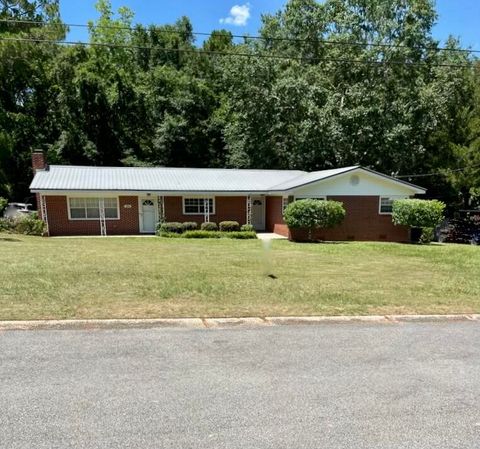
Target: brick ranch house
75, 200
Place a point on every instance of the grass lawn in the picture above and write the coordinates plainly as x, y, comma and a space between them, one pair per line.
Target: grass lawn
43, 278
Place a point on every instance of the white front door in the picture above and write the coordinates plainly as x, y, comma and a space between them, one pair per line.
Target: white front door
258, 212
147, 215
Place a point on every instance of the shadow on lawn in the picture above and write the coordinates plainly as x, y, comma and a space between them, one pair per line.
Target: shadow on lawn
9, 239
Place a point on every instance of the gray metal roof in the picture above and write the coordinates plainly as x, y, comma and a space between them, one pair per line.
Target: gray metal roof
309, 177
162, 179
167, 179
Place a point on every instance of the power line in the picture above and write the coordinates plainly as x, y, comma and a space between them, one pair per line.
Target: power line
235, 54
423, 175
245, 37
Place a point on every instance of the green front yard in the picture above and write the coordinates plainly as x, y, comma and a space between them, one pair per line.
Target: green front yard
154, 277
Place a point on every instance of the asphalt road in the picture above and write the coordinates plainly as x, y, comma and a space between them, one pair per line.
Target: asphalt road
325, 386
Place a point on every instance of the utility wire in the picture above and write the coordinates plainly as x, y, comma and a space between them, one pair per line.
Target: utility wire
236, 54
244, 36
455, 170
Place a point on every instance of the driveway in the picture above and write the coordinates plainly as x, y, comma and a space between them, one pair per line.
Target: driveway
353, 386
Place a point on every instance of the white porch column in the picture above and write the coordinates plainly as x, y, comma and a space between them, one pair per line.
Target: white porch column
161, 209
103, 223
249, 210
206, 210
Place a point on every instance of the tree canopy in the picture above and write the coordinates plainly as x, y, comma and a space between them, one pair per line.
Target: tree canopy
327, 84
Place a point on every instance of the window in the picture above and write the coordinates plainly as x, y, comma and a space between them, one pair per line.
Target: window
386, 204
89, 208
195, 206
285, 202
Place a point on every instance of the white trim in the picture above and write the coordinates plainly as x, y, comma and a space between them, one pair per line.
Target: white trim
390, 197
92, 219
200, 197
310, 197
413, 188
189, 194
140, 200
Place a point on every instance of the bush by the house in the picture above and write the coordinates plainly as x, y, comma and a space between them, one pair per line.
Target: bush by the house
209, 226
243, 235
172, 227
423, 214
313, 214
229, 226
202, 234
7, 225
247, 228
190, 226
29, 224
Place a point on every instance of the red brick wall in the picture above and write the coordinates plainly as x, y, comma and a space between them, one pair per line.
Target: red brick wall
38, 160
362, 222
274, 216
227, 208
59, 224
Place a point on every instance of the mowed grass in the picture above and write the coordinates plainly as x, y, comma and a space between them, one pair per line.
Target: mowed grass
43, 278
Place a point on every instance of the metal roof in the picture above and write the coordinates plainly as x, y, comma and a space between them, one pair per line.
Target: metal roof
167, 179
163, 179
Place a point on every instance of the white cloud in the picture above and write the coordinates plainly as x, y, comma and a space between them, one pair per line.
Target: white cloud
239, 15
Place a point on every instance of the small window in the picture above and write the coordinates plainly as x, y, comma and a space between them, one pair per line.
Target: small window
386, 205
196, 206
285, 202
89, 208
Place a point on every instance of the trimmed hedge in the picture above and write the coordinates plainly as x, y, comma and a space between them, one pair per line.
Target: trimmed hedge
313, 214
242, 235
171, 227
209, 226
202, 234
247, 228
229, 226
423, 214
190, 226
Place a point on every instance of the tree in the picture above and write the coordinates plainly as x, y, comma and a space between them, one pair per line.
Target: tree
313, 214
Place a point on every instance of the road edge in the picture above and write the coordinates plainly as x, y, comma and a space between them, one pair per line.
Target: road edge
219, 323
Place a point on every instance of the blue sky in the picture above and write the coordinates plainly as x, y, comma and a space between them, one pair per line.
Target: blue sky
457, 17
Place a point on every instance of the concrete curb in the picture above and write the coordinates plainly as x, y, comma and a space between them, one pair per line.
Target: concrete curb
222, 323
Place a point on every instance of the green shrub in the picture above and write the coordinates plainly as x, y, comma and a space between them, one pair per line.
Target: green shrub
170, 227
190, 226
423, 214
209, 226
247, 228
3, 204
202, 234
7, 225
242, 235
229, 226
313, 214
169, 235
30, 224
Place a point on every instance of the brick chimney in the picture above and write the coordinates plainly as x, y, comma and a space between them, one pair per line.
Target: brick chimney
38, 160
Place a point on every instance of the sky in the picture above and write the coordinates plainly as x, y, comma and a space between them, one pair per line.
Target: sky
459, 18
